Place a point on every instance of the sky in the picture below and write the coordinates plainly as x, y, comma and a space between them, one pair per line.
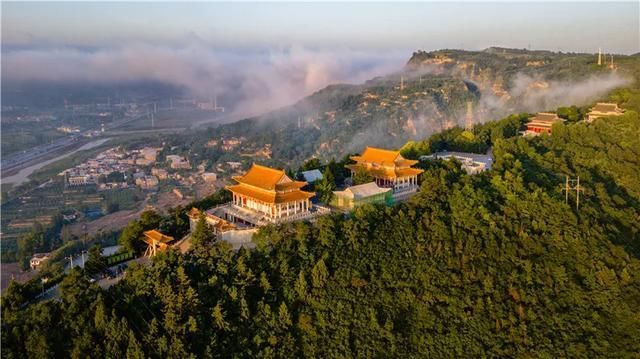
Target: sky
570, 26
267, 55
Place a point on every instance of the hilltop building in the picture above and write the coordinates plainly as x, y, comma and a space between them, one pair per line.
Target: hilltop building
361, 194
604, 109
267, 195
472, 163
541, 123
389, 170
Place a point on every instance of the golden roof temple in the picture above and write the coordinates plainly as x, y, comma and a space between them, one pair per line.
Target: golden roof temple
269, 193
389, 169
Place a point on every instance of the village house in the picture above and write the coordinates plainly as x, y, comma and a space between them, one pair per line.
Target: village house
162, 174
209, 177
389, 170
147, 182
604, 109
542, 122
358, 195
178, 162
38, 259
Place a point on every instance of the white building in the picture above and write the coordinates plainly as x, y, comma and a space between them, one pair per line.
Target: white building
471, 162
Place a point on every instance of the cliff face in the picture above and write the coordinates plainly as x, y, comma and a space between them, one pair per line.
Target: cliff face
436, 90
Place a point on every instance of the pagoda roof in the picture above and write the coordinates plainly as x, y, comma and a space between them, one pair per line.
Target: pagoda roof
387, 172
157, 236
270, 196
268, 178
545, 117
374, 154
606, 107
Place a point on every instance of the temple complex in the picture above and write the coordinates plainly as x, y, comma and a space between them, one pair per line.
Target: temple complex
541, 123
604, 109
389, 170
266, 195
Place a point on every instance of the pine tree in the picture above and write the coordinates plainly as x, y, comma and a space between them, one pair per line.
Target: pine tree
202, 234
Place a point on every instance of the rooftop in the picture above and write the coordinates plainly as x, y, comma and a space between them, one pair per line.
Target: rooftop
545, 117
157, 236
362, 191
263, 177
606, 107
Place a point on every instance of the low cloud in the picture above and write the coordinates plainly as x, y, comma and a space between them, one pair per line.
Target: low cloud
252, 81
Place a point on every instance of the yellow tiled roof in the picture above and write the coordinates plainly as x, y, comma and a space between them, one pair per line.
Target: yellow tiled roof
387, 172
379, 155
262, 177
157, 236
271, 196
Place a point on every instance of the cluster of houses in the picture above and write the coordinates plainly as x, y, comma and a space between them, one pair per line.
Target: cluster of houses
544, 121
107, 162
266, 195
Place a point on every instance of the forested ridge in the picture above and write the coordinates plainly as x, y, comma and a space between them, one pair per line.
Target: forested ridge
495, 264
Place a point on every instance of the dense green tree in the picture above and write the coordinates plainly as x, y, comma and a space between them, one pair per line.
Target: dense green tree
495, 264
361, 176
202, 235
96, 262
325, 186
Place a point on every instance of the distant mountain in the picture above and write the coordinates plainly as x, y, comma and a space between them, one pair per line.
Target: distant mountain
436, 90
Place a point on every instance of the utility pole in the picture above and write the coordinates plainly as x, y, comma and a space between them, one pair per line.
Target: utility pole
578, 190
571, 185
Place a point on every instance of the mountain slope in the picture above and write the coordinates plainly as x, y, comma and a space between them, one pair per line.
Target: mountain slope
436, 90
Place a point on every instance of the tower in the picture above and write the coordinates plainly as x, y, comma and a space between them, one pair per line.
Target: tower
600, 57
612, 66
401, 83
468, 121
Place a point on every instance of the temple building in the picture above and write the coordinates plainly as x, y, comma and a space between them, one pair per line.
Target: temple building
156, 242
604, 109
389, 170
265, 195
218, 225
541, 123
361, 194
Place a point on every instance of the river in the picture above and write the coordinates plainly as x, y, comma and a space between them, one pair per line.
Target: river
23, 175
